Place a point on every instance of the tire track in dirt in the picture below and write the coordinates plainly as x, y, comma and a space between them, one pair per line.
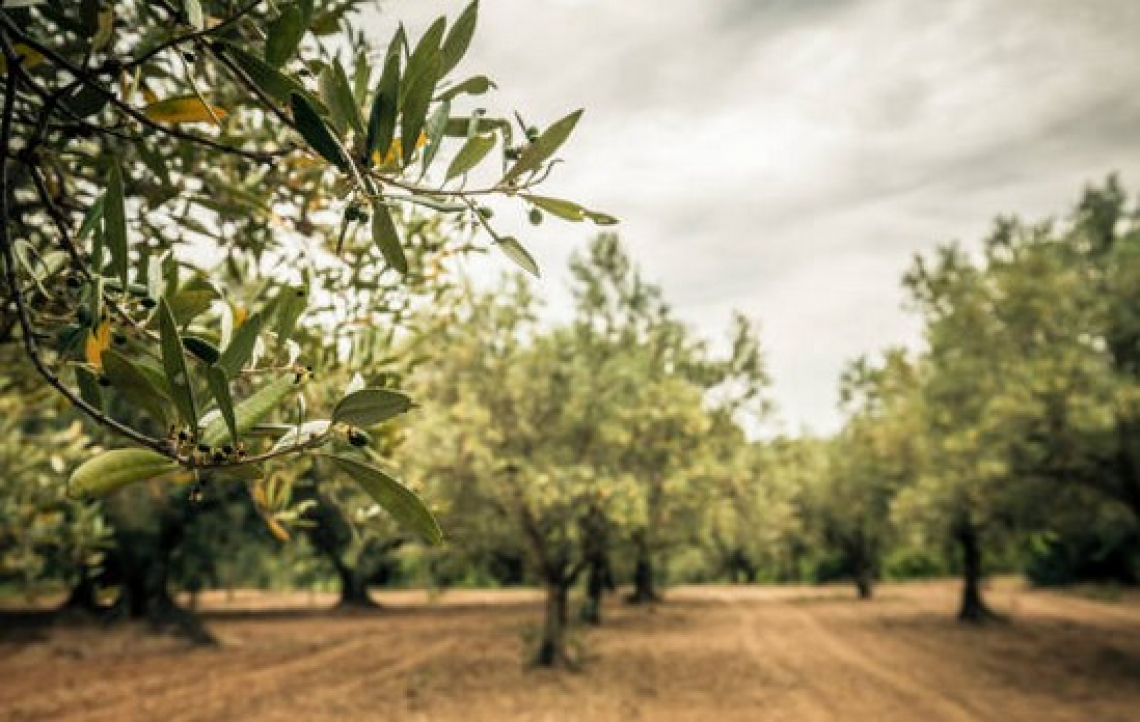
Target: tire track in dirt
344, 670
728, 654
776, 661
786, 635
211, 675
95, 693
928, 647
1089, 611
923, 700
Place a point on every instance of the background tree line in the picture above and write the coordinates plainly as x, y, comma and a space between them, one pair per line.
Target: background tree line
619, 448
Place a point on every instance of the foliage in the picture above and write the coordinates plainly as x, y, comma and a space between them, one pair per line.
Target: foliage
42, 536
182, 193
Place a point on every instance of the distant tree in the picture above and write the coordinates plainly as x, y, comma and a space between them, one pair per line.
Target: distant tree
45, 539
1027, 383
619, 315
509, 431
753, 525
877, 454
966, 480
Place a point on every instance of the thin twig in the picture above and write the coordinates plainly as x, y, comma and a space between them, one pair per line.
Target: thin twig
190, 37
72, 250
126, 108
6, 251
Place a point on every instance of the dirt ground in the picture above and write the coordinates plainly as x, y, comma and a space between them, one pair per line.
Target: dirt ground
708, 653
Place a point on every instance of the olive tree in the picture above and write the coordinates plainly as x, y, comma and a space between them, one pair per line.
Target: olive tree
194, 192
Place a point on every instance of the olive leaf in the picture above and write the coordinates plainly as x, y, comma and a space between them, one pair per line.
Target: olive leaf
112, 470
471, 154
404, 506
314, 130
517, 253
251, 410
284, 36
174, 364
387, 239
368, 407
543, 148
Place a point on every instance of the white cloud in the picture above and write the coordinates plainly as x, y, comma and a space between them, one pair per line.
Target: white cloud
787, 157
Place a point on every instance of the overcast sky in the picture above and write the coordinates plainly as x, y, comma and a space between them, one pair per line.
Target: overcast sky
788, 157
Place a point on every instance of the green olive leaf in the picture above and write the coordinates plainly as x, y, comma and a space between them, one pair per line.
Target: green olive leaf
112, 470
404, 506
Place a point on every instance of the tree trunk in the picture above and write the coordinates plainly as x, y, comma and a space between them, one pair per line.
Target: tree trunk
83, 598
644, 588
741, 570
145, 596
552, 649
595, 552
597, 581
864, 569
148, 532
973, 607
353, 587
332, 537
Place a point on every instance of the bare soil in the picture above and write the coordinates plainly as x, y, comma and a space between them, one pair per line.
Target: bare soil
707, 653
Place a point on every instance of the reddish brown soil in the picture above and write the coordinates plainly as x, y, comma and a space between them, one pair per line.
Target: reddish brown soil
709, 653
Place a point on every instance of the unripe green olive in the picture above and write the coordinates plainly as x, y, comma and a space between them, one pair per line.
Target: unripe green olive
358, 438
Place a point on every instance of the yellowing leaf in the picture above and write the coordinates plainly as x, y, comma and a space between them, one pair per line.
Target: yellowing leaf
187, 109
29, 58
278, 531
395, 152
97, 342
106, 28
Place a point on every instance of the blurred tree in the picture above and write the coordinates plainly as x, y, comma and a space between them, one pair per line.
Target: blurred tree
675, 383
878, 452
754, 528
45, 539
1027, 383
512, 419
962, 487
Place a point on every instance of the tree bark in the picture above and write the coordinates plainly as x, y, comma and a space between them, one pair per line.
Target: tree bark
598, 580
864, 583
552, 649
353, 586
331, 536
864, 567
973, 608
148, 532
83, 597
599, 576
144, 593
644, 587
